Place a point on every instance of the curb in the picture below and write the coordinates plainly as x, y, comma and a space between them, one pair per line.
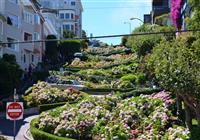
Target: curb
26, 136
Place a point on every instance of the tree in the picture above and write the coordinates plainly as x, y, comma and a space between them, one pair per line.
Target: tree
124, 40
51, 52
85, 41
193, 21
68, 34
10, 74
143, 44
176, 66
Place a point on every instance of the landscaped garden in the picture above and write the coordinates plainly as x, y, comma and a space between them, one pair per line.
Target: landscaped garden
149, 93
42, 93
111, 118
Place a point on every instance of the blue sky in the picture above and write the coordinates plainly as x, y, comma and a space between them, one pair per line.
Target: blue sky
107, 17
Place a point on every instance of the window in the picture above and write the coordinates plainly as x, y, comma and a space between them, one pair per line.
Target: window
72, 27
62, 16
72, 16
14, 1
1, 27
66, 27
67, 16
28, 17
32, 58
27, 37
36, 19
36, 36
13, 20
11, 45
73, 3
65, 2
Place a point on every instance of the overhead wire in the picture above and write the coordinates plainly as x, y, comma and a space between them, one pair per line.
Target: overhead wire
99, 37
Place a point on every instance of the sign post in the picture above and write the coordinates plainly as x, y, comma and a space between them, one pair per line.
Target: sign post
14, 111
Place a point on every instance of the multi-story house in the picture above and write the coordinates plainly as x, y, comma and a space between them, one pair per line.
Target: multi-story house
69, 13
23, 23
159, 7
52, 23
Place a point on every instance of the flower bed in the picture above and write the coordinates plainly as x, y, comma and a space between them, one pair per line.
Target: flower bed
43, 93
106, 50
116, 60
109, 118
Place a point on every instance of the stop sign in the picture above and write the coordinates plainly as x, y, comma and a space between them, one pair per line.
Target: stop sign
14, 110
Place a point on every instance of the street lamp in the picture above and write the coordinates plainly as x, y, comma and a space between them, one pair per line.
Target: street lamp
137, 19
129, 26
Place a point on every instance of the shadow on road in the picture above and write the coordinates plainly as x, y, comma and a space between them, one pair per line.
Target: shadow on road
6, 126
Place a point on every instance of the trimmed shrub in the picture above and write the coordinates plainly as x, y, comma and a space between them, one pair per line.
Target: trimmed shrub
51, 52
46, 107
130, 77
68, 48
40, 135
138, 92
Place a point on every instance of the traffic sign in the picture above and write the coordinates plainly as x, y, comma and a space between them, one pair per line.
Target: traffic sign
14, 110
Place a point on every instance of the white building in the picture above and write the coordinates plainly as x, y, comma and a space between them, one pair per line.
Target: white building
67, 12
20, 21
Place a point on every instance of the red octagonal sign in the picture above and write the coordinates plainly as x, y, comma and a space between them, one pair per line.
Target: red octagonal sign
14, 110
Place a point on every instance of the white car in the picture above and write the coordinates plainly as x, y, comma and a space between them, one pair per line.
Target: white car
68, 84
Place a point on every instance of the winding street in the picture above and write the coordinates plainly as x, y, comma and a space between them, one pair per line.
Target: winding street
6, 127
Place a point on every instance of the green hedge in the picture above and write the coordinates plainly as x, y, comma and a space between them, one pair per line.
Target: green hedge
138, 92
41, 135
106, 90
46, 107
76, 69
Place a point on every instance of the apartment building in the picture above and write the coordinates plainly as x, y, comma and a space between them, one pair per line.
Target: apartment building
20, 21
52, 23
68, 12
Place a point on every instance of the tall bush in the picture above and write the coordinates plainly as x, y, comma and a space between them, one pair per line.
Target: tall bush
177, 68
143, 44
10, 74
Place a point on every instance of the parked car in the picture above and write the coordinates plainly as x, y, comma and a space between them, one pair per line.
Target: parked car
60, 83
78, 54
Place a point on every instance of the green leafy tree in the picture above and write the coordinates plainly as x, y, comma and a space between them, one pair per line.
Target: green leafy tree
85, 41
124, 40
68, 34
176, 66
193, 21
10, 74
143, 44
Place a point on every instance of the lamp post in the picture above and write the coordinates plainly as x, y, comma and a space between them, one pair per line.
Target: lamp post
137, 19
129, 26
